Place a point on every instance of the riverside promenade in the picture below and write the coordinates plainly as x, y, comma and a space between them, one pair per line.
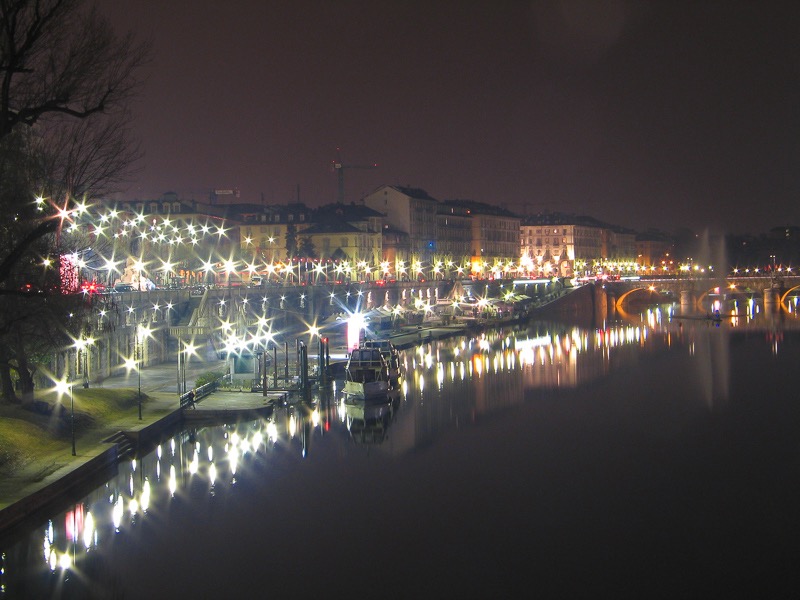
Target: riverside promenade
49, 478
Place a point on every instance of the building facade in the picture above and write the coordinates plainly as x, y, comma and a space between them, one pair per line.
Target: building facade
560, 245
410, 210
494, 231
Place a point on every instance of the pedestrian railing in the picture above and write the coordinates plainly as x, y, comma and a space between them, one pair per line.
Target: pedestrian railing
192, 396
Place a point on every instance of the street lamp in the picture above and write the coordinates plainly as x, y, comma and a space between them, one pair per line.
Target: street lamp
230, 268
185, 350
82, 358
72, 418
180, 342
141, 333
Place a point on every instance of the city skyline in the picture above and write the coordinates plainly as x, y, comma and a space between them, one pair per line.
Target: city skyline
660, 115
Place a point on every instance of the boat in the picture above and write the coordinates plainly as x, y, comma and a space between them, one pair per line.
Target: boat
390, 354
366, 373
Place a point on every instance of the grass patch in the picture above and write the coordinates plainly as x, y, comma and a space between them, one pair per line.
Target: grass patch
97, 403
22, 441
28, 432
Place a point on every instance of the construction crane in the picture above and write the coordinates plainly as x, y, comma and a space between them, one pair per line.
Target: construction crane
338, 166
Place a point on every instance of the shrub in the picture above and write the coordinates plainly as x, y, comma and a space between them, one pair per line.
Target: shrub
207, 378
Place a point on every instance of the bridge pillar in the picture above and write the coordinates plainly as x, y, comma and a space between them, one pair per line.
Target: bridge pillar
601, 304
688, 300
612, 304
772, 298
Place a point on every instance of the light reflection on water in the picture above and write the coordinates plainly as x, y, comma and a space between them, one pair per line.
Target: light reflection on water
448, 384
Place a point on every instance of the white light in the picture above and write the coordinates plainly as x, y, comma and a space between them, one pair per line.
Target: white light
88, 530
116, 513
146, 495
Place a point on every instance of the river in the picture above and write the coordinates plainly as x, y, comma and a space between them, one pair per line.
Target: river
655, 457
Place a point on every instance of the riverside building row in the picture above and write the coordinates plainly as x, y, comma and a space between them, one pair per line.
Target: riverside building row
400, 228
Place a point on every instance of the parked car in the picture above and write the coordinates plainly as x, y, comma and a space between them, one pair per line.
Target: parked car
124, 287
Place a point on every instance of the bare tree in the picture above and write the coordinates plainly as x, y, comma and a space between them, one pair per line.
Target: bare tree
65, 83
69, 77
61, 57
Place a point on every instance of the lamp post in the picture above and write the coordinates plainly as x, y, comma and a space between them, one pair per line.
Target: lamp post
80, 358
139, 377
141, 334
85, 352
185, 358
88, 343
179, 368
72, 417
184, 350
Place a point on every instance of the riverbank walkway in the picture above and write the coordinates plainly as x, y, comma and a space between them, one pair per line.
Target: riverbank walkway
41, 481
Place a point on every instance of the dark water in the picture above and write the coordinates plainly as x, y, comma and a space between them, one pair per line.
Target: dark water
656, 459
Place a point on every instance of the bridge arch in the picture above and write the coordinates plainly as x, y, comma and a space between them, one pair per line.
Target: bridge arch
727, 293
649, 289
787, 292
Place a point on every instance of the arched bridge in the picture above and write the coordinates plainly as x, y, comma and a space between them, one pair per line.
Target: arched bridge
694, 290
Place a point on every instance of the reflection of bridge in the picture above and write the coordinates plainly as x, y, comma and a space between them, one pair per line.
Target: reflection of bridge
693, 291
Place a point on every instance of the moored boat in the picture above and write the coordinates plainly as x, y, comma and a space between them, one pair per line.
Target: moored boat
366, 373
390, 354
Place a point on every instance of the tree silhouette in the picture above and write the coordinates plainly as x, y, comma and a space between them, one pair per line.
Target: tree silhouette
65, 82
291, 241
68, 78
307, 248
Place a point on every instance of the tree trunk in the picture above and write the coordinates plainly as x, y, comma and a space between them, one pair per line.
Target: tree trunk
25, 379
6, 385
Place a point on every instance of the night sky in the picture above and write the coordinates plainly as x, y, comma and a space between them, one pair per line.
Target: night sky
660, 114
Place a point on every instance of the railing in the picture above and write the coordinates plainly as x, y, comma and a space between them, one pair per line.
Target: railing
190, 331
190, 397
